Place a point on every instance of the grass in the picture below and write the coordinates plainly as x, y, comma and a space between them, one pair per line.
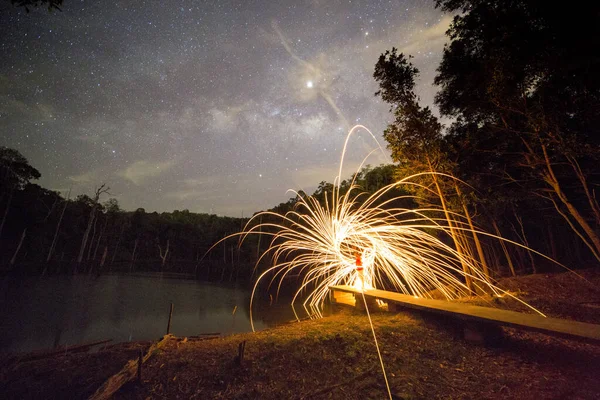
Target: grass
335, 358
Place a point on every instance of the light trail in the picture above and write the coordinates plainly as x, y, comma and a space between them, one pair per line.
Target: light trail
400, 247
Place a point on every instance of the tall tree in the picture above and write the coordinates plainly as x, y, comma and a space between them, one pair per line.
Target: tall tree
522, 72
415, 139
94, 206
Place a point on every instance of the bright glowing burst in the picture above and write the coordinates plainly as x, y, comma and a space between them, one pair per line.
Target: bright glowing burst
399, 247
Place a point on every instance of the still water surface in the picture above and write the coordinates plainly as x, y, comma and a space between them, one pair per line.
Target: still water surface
43, 313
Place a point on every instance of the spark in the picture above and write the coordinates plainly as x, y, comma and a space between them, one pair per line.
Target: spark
400, 248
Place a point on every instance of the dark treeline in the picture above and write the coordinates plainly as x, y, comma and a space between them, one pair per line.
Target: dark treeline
44, 233
524, 97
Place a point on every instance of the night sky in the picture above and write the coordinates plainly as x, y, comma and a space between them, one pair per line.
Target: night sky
216, 107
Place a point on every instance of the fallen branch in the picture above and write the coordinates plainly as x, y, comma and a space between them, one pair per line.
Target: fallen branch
128, 372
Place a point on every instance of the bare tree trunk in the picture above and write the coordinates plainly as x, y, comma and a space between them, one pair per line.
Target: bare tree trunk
14, 257
163, 256
103, 257
133, 255
453, 233
10, 197
86, 234
50, 211
117, 245
92, 239
486, 271
102, 189
591, 198
504, 249
552, 181
100, 237
574, 229
62, 214
523, 238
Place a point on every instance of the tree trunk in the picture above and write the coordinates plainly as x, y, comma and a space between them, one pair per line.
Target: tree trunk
86, 234
484, 264
14, 257
92, 239
163, 257
52, 246
91, 221
523, 237
574, 229
10, 196
453, 233
117, 245
100, 237
504, 249
133, 255
103, 257
552, 181
591, 197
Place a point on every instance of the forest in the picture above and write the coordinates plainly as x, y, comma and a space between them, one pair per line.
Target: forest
44, 233
519, 159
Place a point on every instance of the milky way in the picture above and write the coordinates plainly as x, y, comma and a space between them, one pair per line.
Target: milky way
216, 107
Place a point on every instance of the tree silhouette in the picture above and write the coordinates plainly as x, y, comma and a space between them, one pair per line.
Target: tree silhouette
520, 73
15, 169
28, 4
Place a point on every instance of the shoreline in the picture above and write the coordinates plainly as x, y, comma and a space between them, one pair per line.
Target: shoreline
335, 357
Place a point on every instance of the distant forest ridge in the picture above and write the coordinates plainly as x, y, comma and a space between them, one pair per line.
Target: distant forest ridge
43, 232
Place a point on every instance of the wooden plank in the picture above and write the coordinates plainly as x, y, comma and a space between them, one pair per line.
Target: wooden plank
532, 322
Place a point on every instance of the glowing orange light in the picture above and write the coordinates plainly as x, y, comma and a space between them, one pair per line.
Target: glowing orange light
356, 241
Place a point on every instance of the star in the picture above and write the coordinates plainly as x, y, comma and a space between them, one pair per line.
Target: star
189, 98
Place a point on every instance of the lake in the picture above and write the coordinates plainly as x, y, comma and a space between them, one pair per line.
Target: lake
41, 313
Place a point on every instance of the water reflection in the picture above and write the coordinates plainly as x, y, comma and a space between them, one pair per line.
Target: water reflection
44, 313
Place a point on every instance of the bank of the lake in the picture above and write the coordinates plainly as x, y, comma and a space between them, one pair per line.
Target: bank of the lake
332, 357
335, 357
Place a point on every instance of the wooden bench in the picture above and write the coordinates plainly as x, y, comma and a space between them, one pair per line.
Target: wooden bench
478, 323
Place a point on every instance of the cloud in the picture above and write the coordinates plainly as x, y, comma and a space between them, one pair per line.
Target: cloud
85, 178
139, 171
187, 193
197, 189
430, 38
36, 112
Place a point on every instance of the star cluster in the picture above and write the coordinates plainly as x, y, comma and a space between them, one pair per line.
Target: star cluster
215, 107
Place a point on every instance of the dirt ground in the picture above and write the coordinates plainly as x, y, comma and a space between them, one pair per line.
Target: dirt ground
336, 358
